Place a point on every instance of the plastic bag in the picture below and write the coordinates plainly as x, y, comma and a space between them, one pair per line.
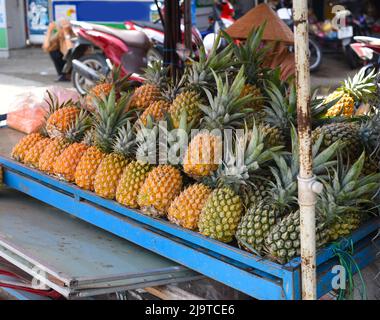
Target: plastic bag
28, 110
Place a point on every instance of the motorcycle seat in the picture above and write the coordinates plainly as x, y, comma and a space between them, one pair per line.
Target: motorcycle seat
133, 38
147, 24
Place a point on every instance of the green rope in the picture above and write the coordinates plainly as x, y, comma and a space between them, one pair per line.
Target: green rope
344, 251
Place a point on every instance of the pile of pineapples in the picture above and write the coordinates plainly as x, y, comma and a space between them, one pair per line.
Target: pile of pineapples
240, 190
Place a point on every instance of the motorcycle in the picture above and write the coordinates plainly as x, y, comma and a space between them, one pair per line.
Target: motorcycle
368, 50
315, 52
98, 48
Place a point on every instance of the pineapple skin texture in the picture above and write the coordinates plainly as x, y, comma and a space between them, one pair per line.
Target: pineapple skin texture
202, 155
345, 131
156, 110
67, 162
255, 225
51, 153
24, 145
255, 105
144, 96
344, 226
188, 101
108, 175
344, 107
32, 157
159, 189
186, 208
130, 183
86, 169
221, 215
283, 241
60, 121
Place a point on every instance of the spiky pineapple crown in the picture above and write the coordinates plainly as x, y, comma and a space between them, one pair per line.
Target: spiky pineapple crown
199, 73
125, 141
109, 116
78, 129
156, 74
241, 164
251, 54
362, 86
347, 190
54, 104
227, 109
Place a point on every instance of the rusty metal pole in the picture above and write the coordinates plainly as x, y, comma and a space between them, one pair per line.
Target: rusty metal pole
308, 187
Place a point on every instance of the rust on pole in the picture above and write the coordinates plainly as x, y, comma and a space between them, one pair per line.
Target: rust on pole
308, 187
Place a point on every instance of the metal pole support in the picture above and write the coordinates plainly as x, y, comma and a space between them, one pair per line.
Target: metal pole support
307, 185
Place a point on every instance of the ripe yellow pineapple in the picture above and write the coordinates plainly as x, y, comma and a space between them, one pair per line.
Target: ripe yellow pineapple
256, 102
156, 110
130, 183
358, 89
160, 188
24, 145
150, 91
66, 163
86, 169
203, 155
186, 208
112, 166
32, 157
189, 101
109, 116
224, 111
104, 87
51, 153
60, 117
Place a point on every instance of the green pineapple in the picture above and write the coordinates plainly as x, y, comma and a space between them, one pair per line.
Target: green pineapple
338, 212
263, 214
223, 210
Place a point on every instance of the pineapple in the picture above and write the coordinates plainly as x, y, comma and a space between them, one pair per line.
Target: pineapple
109, 116
162, 185
338, 212
32, 157
104, 87
251, 55
131, 181
225, 111
150, 91
347, 132
349, 190
280, 195
74, 133
360, 88
156, 110
223, 210
60, 117
186, 208
203, 155
24, 145
221, 214
112, 166
199, 75
51, 153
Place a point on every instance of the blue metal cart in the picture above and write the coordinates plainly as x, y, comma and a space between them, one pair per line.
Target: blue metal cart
246, 272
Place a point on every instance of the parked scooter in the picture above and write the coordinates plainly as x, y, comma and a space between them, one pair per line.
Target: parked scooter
97, 48
368, 50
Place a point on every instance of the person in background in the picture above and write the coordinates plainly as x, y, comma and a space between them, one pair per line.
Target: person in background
57, 43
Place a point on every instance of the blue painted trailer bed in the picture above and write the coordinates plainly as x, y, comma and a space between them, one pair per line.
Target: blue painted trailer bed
246, 272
